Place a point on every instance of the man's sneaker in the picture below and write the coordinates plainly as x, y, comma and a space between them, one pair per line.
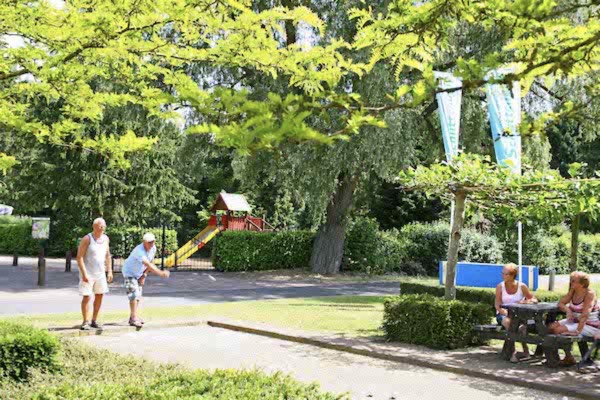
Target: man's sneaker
86, 326
96, 325
135, 322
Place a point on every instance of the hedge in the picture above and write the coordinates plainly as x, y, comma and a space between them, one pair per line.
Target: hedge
18, 237
555, 252
414, 250
472, 295
90, 373
23, 347
427, 244
255, 251
122, 239
220, 384
427, 320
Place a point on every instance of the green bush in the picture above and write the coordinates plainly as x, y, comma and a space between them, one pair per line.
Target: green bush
18, 237
89, 373
124, 239
433, 322
427, 244
555, 252
23, 347
256, 251
230, 384
472, 295
369, 250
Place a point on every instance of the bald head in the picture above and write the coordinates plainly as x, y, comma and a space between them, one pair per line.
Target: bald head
99, 222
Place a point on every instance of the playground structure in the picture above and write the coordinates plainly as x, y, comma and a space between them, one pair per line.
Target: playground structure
229, 203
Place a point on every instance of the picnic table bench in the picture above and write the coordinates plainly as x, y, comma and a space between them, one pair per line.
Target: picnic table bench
535, 318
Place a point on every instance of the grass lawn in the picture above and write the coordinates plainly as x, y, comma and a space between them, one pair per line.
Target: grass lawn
349, 315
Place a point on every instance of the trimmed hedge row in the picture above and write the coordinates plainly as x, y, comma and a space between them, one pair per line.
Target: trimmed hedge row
427, 320
256, 251
122, 239
23, 347
555, 252
414, 250
472, 295
18, 237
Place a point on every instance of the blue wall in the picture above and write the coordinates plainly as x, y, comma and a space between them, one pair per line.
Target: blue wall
487, 275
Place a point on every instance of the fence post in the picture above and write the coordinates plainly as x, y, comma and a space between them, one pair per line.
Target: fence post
41, 268
175, 266
16, 259
551, 280
162, 251
68, 259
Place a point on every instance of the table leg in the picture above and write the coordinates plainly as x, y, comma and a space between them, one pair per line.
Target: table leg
552, 357
539, 351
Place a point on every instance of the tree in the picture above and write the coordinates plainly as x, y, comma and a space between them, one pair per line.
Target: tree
542, 195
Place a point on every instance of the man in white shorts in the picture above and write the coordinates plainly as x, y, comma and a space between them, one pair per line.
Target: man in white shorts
93, 259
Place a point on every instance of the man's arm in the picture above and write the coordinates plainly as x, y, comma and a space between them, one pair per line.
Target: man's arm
152, 268
83, 246
108, 263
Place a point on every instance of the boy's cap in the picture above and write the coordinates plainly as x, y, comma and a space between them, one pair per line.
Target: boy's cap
149, 237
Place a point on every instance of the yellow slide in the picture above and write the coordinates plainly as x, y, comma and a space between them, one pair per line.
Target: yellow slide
192, 246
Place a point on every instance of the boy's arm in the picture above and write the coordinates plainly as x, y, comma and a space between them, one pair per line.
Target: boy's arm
152, 268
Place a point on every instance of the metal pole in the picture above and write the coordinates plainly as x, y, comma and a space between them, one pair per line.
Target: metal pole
16, 259
520, 232
41, 268
162, 259
68, 262
551, 280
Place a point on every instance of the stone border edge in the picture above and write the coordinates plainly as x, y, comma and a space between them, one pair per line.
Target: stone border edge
407, 360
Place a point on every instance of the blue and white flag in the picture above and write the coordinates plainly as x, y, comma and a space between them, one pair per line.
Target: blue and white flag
504, 108
449, 105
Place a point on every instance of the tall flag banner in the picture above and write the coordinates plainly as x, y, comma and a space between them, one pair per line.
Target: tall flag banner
449, 106
504, 109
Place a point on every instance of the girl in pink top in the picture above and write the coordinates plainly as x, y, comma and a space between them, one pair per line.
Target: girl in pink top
582, 308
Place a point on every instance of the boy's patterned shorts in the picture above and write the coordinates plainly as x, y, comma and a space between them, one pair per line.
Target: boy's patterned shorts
133, 288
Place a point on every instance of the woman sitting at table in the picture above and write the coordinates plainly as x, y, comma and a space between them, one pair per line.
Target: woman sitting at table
581, 308
509, 291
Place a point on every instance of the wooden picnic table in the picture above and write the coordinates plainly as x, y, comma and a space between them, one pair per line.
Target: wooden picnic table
535, 319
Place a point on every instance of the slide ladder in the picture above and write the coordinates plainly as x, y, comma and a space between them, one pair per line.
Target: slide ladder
196, 243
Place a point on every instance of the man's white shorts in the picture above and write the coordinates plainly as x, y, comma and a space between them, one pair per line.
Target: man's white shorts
94, 285
588, 330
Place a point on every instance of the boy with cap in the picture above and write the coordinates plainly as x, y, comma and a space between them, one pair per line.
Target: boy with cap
135, 270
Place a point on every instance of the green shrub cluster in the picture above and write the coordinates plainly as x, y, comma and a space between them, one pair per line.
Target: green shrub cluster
433, 322
220, 384
18, 237
256, 251
555, 252
124, 239
88, 373
23, 347
414, 250
472, 295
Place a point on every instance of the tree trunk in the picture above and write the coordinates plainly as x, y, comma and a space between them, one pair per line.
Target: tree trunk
460, 199
574, 242
290, 28
328, 249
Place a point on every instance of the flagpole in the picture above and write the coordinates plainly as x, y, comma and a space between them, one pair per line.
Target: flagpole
520, 244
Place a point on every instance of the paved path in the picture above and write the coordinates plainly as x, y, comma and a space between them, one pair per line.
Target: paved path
19, 293
363, 377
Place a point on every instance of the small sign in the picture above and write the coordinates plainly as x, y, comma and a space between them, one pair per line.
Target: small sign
40, 228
